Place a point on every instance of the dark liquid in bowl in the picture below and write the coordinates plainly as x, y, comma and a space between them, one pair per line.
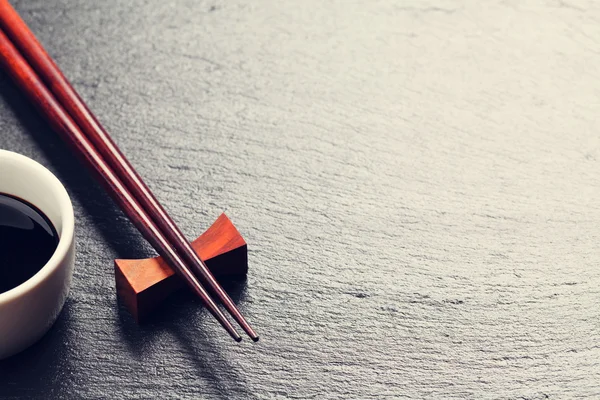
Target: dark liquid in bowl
27, 241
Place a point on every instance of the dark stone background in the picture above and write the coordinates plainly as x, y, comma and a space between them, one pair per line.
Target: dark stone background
418, 182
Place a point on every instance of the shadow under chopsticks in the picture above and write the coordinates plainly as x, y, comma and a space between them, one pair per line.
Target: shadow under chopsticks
183, 317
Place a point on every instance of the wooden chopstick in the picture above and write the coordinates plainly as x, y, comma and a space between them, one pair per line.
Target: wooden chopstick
23, 75
43, 64
46, 68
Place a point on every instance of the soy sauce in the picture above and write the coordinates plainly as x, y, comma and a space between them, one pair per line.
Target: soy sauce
27, 241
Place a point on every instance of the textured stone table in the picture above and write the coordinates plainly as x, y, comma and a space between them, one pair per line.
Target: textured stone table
418, 182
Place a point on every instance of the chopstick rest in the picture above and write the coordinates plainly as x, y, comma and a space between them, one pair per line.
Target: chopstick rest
143, 284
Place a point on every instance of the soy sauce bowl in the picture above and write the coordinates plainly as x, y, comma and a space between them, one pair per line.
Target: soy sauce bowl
30, 309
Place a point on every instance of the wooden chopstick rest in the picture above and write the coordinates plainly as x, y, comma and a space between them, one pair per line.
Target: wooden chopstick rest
144, 284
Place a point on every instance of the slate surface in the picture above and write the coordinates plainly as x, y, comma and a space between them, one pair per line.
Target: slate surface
417, 182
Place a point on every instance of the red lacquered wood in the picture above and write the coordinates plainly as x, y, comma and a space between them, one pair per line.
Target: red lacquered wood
23, 75
143, 284
46, 68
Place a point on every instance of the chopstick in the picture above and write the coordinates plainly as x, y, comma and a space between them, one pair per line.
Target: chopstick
24, 76
46, 68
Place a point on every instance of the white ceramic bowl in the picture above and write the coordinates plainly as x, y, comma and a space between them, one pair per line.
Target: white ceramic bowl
29, 310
